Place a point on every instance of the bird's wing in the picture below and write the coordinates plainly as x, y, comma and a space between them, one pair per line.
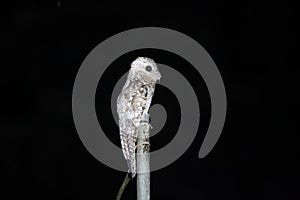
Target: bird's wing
131, 106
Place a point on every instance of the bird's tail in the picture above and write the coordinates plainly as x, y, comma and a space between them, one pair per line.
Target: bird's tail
131, 167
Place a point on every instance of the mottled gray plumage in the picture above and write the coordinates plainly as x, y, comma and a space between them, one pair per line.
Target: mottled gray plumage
133, 104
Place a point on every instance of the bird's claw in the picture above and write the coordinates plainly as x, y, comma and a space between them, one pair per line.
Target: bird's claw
142, 143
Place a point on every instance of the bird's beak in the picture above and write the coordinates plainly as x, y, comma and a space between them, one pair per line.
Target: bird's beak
158, 75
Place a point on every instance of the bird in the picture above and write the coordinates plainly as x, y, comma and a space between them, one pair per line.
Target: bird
133, 104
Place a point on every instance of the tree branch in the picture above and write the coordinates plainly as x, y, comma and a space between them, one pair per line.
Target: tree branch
143, 162
123, 186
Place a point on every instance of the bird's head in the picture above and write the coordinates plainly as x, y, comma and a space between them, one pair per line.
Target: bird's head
146, 68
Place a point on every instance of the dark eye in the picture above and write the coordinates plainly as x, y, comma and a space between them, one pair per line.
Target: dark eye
149, 68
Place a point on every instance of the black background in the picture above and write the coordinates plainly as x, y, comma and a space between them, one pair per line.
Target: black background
253, 45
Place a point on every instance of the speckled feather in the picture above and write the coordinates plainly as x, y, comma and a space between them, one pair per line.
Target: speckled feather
134, 102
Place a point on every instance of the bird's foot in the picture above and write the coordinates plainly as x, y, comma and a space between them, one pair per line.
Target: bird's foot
141, 144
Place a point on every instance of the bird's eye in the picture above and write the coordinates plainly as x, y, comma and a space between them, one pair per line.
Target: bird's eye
149, 68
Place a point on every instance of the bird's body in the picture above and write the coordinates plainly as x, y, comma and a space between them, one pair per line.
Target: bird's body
133, 105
